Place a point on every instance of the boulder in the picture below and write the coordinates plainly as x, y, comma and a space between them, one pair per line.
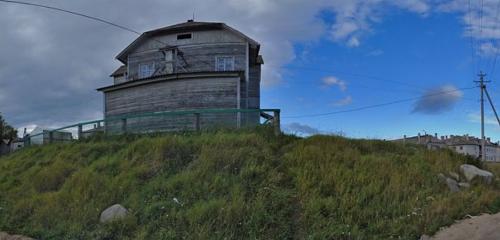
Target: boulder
115, 212
441, 177
455, 176
6, 236
471, 172
452, 185
464, 185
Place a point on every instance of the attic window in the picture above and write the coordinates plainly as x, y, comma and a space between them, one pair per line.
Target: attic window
184, 36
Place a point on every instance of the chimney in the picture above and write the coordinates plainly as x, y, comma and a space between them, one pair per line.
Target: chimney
404, 138
418, 138
435, 135
488, 139
24, 132
442, 137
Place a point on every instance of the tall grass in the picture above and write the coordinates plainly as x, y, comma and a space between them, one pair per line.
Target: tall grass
233, 185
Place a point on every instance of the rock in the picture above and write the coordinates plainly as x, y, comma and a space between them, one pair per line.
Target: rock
442, 177
425, 237
6, 236
113, 213
455, 176
464, 185
452, 185
472, 172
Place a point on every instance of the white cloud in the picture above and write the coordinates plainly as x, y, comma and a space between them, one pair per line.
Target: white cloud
300, 129
333, 81
343, 102
481, 21
476, 118
375, 53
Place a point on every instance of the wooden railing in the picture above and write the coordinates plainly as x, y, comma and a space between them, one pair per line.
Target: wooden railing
120, 124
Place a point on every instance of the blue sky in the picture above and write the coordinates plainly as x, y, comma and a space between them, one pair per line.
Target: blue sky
408, 54
320, 56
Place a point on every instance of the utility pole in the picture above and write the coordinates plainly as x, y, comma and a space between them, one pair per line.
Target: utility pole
482, 87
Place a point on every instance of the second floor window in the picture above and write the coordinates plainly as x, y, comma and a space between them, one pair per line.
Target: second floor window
224, 64
146, 70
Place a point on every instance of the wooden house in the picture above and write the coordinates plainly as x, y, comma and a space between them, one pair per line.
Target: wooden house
187, 66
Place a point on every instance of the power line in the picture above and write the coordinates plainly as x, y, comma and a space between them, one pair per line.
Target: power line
355, 75
481, 13
74, 13
376, 105
496, 49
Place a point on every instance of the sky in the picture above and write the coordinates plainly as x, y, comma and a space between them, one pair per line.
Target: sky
326, 62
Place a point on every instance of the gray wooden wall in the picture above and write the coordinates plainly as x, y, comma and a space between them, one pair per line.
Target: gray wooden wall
169, 95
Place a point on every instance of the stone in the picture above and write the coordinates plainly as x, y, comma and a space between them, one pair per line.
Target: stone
6, 236
471, 172
452, 185
464, 185
455, 176
115, 212
425, 237
442, 177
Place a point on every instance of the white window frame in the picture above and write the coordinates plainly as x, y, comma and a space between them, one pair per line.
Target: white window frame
225, 65
152, 71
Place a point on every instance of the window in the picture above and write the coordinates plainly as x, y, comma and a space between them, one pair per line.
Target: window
146, 70
184, 36
169, 61
224, 64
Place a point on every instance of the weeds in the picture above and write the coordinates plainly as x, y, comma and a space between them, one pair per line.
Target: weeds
233, 184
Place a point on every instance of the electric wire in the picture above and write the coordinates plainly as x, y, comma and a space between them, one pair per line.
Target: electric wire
375, 105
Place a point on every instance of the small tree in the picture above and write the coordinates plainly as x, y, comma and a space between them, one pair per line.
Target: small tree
6, 131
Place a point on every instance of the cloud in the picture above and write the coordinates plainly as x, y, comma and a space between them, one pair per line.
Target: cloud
438, 100
476, 118
333, 81
375, 53
54, 61
354, 18
343, 102
481, 21
300, 129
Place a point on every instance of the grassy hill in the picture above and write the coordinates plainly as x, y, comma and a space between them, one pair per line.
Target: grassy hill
233, 185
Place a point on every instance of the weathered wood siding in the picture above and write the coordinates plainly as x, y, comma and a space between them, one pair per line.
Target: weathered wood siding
198, 58
254, 86
198, 37
169, 95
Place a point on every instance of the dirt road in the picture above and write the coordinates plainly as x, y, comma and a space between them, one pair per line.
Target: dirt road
484, 227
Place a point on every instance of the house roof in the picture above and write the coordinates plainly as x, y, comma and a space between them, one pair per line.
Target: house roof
169, 77
119, 72
183, 27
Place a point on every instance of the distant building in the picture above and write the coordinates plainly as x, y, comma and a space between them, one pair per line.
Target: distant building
16, 144
465, 144
4, 146
41, 136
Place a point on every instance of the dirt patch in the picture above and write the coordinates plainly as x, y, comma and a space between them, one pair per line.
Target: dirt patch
484, 227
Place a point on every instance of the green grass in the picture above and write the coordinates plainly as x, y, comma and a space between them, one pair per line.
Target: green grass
234, 185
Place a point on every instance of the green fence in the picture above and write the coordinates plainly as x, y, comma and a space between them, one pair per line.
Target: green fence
165, 121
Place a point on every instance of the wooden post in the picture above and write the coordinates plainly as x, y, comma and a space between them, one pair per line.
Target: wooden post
276, 122
197, 123
51, 136
80, 132
124, 125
